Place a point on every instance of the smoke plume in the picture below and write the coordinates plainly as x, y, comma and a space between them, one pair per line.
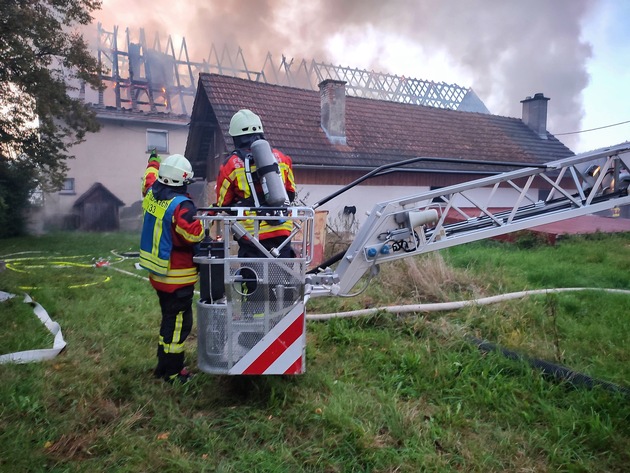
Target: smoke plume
505, 50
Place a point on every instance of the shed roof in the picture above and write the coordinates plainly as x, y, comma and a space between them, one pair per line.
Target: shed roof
377, 132
98, 191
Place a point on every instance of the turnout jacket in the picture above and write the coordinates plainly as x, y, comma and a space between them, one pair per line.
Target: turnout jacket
169, 233
233, 189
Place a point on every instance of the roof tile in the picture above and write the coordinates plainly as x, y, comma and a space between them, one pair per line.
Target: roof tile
377, 132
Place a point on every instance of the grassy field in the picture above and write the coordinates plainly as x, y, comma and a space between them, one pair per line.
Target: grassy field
382, 393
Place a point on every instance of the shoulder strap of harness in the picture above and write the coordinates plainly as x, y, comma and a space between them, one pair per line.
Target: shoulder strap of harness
250, 181
252, 177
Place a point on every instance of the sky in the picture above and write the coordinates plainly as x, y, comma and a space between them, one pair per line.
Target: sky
576, 52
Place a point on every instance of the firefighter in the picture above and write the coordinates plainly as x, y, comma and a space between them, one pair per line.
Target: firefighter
234, 184
169, 236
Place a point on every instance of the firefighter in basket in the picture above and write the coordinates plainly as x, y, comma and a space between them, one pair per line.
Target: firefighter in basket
244, 181
255, 175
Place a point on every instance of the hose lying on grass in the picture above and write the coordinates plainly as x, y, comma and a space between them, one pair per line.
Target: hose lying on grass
561, 373
441, 306
556, 371
36, 355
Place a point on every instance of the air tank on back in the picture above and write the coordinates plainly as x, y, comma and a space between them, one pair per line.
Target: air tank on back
269, 174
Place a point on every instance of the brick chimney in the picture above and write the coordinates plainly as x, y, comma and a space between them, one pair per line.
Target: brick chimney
535, 114
333, 104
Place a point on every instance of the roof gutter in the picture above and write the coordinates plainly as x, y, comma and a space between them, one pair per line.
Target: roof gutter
143, 120
364, 168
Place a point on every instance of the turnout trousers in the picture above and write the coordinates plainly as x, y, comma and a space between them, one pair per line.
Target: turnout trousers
177, 319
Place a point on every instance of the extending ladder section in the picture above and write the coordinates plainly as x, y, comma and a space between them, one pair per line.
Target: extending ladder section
579, 185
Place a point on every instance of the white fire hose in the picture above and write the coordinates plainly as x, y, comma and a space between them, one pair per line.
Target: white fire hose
59, 342
41, 354
441, 306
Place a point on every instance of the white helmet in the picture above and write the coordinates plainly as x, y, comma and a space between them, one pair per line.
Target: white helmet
245, 122
175, 171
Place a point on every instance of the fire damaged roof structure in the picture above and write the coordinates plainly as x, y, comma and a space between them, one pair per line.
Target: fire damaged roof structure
151, 78
329, 130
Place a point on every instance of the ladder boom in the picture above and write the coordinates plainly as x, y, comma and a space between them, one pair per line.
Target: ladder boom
453, 215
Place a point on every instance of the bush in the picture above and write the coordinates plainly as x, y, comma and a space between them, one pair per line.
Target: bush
15, 189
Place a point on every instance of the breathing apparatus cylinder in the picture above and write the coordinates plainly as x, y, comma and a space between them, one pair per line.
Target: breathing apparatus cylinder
269, 174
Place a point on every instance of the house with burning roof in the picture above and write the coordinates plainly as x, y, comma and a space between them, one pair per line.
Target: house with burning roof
335, 133
334, 139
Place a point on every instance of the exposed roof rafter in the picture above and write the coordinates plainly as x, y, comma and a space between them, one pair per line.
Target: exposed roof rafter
152, 79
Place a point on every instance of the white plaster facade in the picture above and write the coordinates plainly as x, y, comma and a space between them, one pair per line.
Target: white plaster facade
364, 198
116, 156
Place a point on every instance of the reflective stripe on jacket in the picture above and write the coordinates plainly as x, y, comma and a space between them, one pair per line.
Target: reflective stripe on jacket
232, 188
156, 242
182, 228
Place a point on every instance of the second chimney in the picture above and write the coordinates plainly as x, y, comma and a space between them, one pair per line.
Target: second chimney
535, 114
333, 110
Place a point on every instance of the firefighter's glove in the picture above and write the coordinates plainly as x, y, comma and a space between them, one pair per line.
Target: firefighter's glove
210, 211
154, 156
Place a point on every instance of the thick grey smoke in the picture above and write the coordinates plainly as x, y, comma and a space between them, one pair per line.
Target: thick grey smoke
509, 49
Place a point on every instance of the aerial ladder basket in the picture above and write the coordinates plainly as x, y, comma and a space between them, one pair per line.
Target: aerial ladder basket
250, 315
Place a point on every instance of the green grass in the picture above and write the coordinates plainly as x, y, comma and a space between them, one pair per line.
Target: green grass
33, 333
382, 393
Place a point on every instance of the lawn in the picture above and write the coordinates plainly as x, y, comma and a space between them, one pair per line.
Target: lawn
382, 393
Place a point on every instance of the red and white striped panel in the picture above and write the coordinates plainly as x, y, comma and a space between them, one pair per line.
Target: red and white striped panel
281, 351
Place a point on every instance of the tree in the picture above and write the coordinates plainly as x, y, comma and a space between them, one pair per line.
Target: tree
42, 53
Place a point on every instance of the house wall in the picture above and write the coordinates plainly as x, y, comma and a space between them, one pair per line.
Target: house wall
116, 156
315, 185
364, 198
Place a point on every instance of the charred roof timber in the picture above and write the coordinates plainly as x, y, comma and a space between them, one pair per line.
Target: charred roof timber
148, 77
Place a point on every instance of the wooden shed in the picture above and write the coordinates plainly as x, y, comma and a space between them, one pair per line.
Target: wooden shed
97, 209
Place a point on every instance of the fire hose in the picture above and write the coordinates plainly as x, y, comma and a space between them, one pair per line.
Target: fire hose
556, 371
441, 306
553, 370
53, 327
547, 368
41, 354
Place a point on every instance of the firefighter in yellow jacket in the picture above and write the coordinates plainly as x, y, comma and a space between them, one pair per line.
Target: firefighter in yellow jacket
167, 246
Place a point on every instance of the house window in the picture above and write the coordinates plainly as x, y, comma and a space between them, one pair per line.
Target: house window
157, 140
68, 186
